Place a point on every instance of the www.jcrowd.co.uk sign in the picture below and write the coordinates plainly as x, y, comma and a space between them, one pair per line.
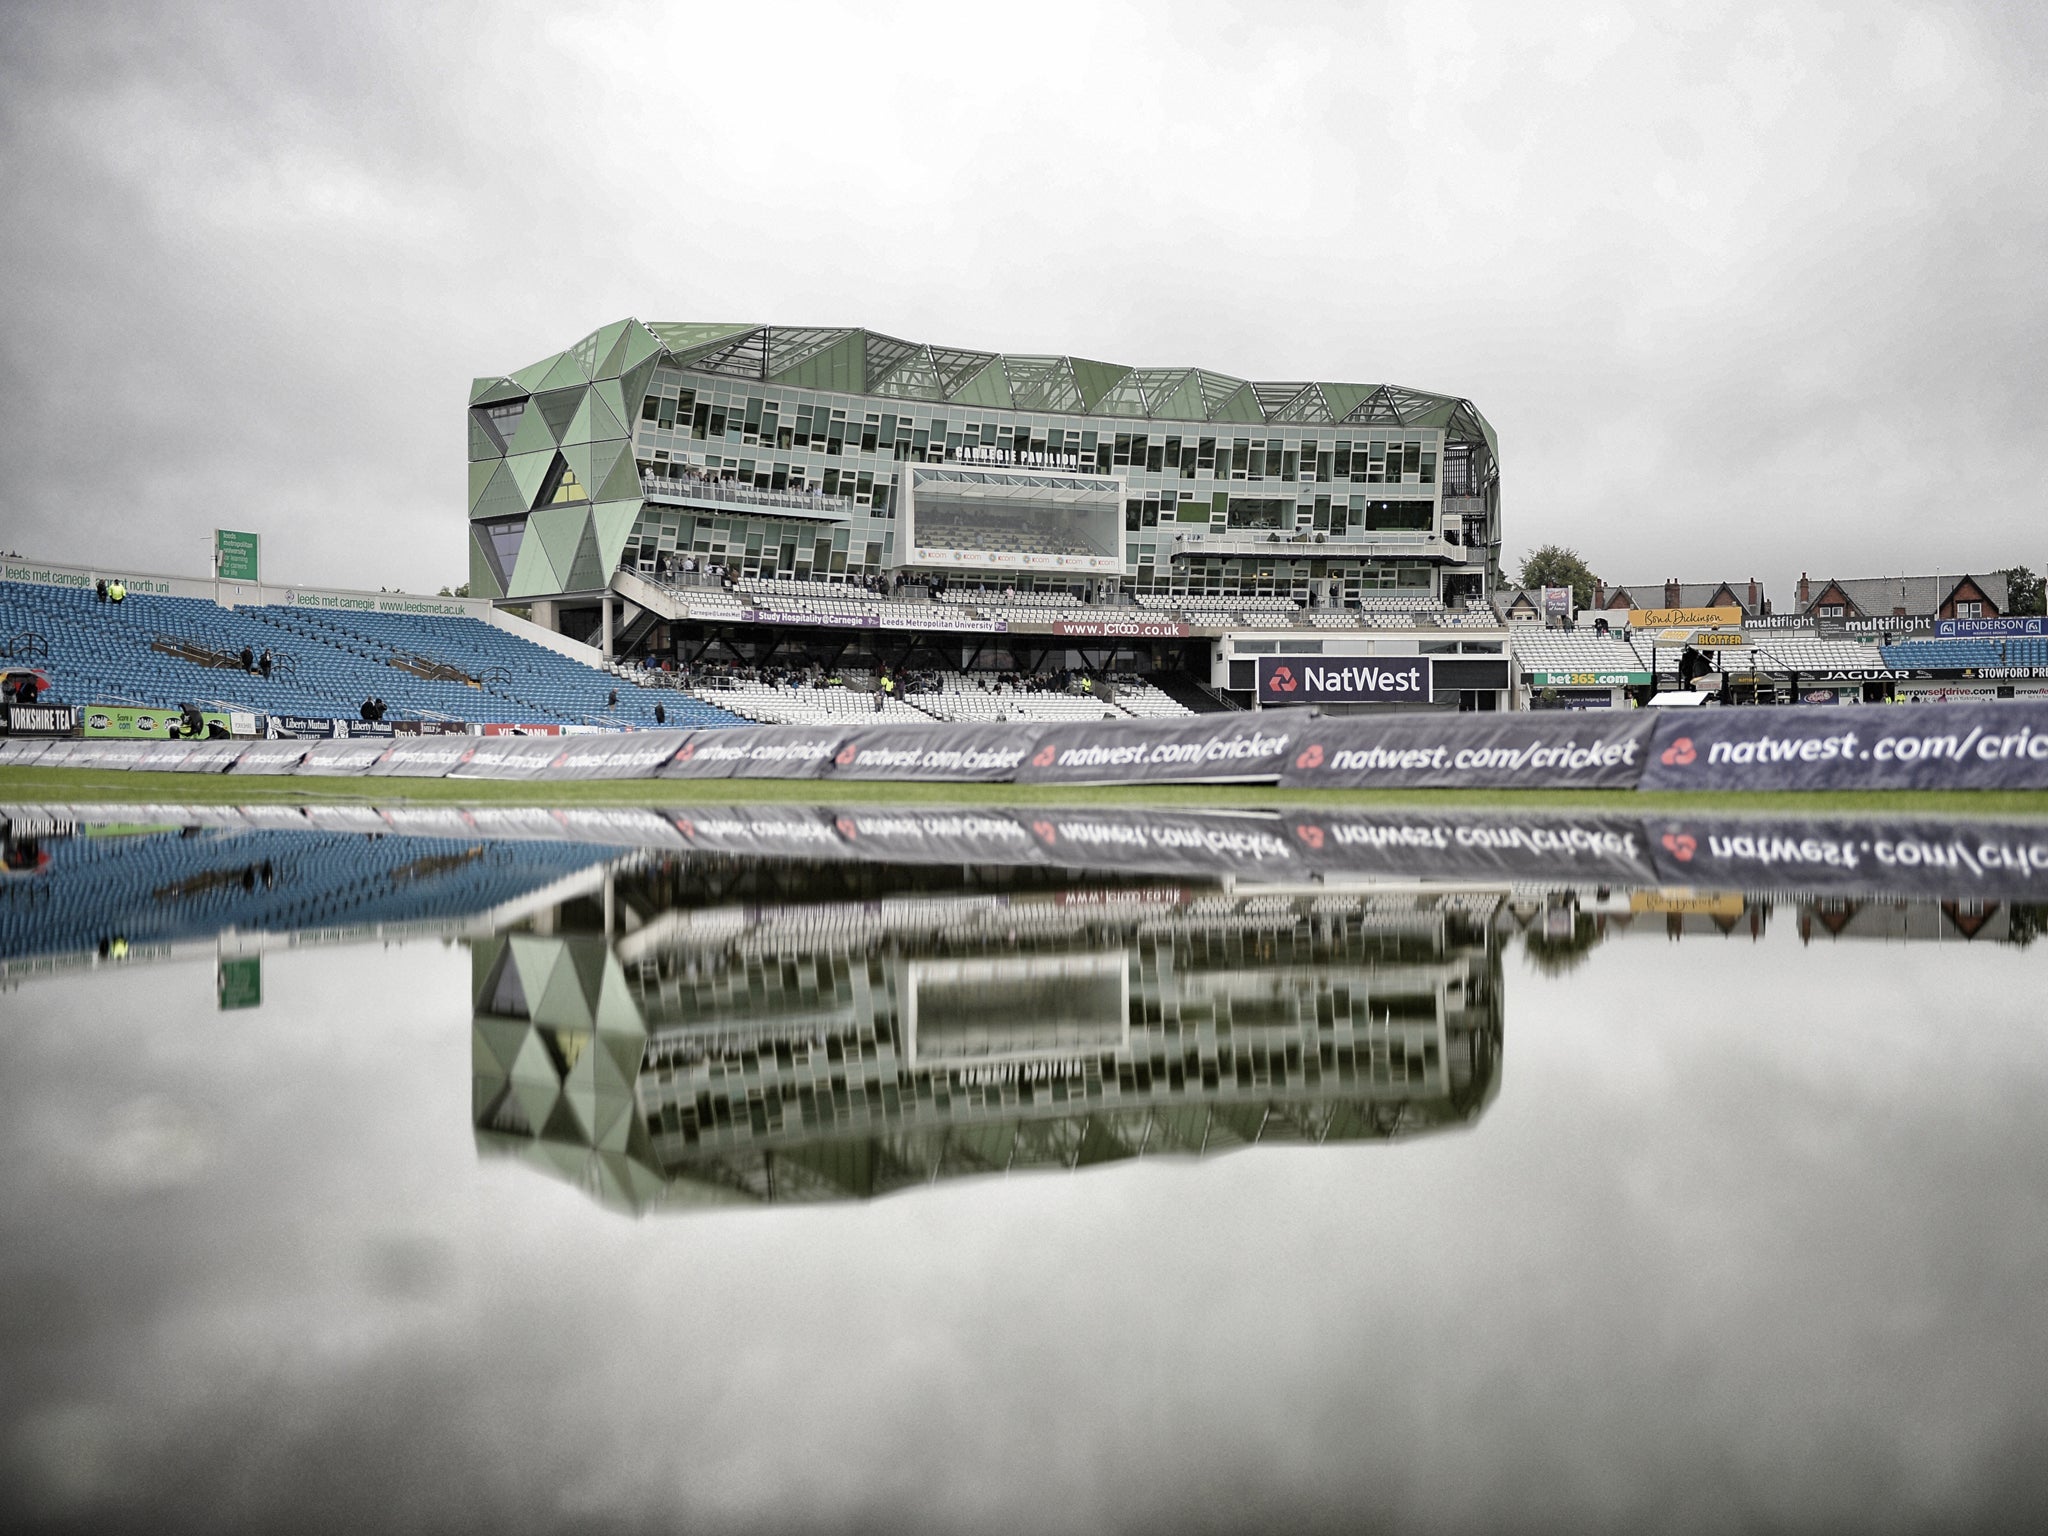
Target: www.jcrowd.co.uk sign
1359, 680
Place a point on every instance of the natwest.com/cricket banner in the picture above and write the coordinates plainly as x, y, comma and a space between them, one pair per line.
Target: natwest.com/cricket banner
1556, 749
1345, 680
2001, 745
1240, 747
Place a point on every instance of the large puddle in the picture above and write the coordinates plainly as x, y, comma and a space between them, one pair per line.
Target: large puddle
787, 1168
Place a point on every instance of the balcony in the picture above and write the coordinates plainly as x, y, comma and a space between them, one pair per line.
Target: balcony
1241, 544
729, 495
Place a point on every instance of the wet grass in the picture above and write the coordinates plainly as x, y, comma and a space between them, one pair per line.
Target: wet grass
30, 785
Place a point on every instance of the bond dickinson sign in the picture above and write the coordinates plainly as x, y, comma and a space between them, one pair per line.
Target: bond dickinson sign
1346, 680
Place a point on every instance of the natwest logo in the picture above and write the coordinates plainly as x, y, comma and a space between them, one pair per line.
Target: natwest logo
1045, 756
1311, 757
1282, 680
847, 754
1681, 846
1679, 753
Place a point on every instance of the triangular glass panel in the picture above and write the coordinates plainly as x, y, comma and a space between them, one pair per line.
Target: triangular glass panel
483, 442
789, 346
1343, 399
608, 337
1241, 405
501, 496
484, 579
558, 408
990, 387
533, 434
480, 479
622, 481
915, 378
613, 524
588, 571
589, 352
686, 341
744, 357
528, 378
1272, 397
1216, 388
640, 343
633, 384
558, 530
490, 391
883, 354
1306, 405
533, 575
1043, 384
1159, 385
955, 367
530, 473
506, 997
839, 366
1126, 397
614, 398
1095, 380
1378, 409
566, 374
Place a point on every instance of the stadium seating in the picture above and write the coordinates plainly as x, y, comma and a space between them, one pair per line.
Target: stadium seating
850, 703
158, 888
325, 663
2013, 651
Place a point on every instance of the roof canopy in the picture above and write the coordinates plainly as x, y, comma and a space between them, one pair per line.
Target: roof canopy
861, 362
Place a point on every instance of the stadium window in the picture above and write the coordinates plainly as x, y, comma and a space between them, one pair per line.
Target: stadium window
1289, 465
717, 423
1205, 454
1399, 516
1172, 452
1134, 512
988, 434
1123, 449
868, 428
650, 408
1411, 459
1969, 610
1155, 458
1323, 465
1273, 462
1429, 469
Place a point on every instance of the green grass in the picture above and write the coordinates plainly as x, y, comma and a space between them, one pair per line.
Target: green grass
29, 785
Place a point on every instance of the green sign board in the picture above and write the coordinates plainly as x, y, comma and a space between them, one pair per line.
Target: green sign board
234, 555
240, 982
149, 724
1588, 679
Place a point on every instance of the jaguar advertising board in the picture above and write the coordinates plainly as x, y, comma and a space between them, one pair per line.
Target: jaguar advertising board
1548, 750
1237, 747
1963, 860
1345, 679
2002, 745
986, 754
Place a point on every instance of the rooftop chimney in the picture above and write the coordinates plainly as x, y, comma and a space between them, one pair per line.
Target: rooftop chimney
1805, 590
1755, 597
1671, 593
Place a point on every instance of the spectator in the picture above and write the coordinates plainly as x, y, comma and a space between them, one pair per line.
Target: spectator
99, 590
612, 701
117, 590
368, 710
263, 663
248, 659
660, 715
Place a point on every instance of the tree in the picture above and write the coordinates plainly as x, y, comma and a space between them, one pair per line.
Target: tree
461, 591
2025, 592
1555, 566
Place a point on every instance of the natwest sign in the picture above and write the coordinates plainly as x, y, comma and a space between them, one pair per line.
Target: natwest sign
1313, 680
1132, 629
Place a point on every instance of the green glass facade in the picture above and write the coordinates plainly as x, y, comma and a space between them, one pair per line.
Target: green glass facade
786, 452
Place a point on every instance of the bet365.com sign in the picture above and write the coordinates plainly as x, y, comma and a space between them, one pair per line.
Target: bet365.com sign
1345, 680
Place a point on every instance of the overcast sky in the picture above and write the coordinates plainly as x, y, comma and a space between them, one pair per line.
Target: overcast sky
1746, 290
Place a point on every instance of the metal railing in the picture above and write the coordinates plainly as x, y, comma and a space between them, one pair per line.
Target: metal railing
734, 493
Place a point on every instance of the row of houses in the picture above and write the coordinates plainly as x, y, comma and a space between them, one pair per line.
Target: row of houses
1912, 601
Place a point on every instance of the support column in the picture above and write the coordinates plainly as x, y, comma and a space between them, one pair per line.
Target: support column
605, 604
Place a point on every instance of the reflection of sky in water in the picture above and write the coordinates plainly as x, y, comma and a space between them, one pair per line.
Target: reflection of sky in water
1750, 1232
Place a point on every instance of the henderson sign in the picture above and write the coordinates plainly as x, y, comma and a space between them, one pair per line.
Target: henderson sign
1359, 680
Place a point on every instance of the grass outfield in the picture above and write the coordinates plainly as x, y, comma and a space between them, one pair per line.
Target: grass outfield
28, 785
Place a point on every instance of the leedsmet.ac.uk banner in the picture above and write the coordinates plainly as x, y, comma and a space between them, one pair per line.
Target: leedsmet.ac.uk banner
1552, 750
1923, 746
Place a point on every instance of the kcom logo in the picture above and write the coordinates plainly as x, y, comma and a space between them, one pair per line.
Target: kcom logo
1679, 754
1282, 680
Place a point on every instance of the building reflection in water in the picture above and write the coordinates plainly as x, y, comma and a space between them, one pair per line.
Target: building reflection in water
739, 1050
